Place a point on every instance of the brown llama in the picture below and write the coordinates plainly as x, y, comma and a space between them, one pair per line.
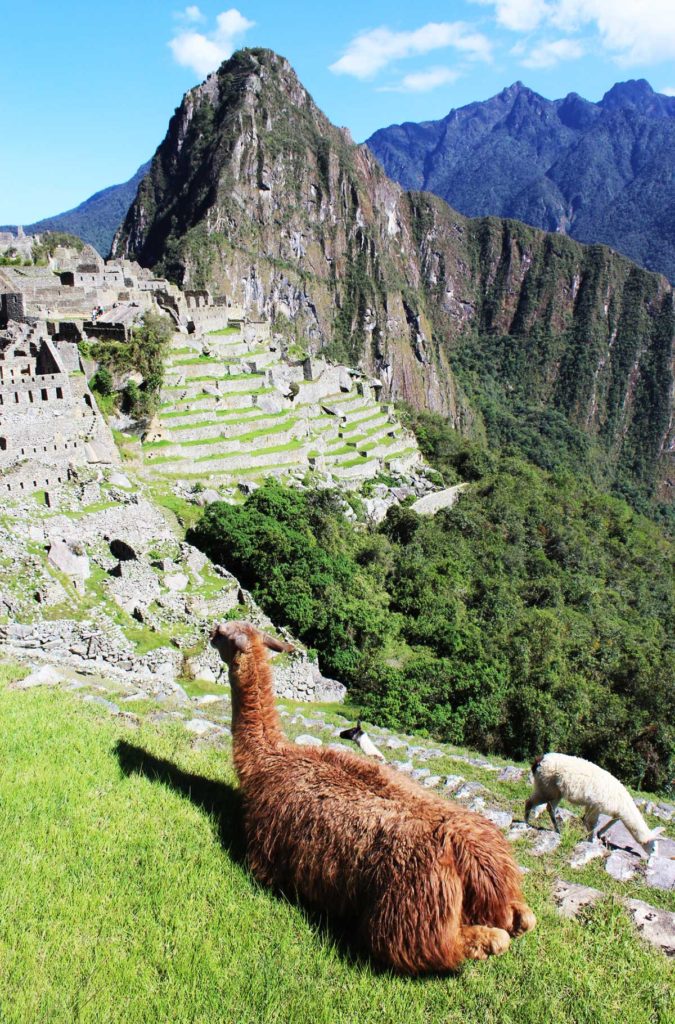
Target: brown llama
428, 883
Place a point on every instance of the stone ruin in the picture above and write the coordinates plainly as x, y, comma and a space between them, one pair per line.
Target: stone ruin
49, 420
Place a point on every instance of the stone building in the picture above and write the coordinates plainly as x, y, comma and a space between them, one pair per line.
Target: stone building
19, 244
48, 418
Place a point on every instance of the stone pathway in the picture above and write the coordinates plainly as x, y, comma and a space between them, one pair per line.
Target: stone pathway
207, 718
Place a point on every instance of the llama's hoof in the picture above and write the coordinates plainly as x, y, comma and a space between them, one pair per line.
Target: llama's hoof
523, 919
480, 943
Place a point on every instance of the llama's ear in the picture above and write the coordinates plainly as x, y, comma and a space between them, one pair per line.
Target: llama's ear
276, 645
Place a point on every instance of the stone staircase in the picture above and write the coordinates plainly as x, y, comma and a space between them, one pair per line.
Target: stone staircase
232, 408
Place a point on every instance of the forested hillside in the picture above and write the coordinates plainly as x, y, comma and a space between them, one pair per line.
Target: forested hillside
535, 614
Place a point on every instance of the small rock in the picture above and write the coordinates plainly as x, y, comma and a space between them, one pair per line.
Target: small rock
420, 773
519, 830
656, 926
546, 842
107, 704
308, 741
403, 766
510, 774
45, 676
502, 819
72, 562
453, 782
210, 698
664, 811
176, 581
432, 780
393, 743
621, 865
468, 790
477, 804
570, 898
618, 837
665, 848
660, 872
585, 852
205, 675
119, 480
200, 726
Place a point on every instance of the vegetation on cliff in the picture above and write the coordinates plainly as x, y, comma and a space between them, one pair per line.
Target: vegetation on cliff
144, 354
534, 614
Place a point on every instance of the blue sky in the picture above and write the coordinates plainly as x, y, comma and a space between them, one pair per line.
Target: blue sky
87, 88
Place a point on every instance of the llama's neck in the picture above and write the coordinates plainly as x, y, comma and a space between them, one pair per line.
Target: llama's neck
255, 723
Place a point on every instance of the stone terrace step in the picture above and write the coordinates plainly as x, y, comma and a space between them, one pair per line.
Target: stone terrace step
371, 415
247, 461
225, 446
200, 368
201, 429
246, 384
342, 403
364, 469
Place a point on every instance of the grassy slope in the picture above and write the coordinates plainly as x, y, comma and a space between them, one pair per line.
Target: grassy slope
127, 900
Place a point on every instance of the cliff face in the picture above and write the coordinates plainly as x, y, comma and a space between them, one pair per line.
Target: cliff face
254, 193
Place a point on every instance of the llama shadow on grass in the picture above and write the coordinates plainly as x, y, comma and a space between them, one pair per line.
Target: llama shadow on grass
223, 803
220, 800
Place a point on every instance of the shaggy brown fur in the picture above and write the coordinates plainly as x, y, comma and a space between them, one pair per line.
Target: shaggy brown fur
429, 883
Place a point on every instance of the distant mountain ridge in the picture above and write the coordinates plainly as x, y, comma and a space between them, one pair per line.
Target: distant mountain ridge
600, 172
96, 219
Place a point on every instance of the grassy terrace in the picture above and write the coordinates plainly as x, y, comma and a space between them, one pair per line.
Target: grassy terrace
199, 380
273, 449
357, 424
249, 436
228, 415
225, 394
225, 331
127, 901
204, 360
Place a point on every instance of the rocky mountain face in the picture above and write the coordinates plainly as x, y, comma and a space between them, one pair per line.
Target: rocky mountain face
254, 193
600, 172
97, 219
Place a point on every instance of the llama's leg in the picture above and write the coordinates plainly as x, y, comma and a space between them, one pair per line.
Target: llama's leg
523, 919
552, 807
590, 820
531, 805
600, 833
479, 942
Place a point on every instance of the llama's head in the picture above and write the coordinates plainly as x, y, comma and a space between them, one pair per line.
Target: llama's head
354, 734
232, 638
650, 845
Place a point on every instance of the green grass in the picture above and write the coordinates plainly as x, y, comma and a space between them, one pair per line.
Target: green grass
126, 900
226, 330
228, 414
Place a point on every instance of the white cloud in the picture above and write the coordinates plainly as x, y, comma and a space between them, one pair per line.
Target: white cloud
518, 15
191, 13
631, 31
546, 55
668, 90
369, 52
423, 81
205, 52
